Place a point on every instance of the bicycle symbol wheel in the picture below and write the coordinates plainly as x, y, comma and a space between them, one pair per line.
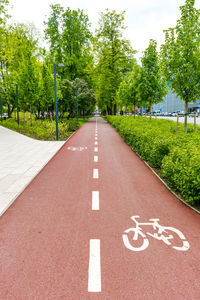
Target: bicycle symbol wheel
171, 230
130, 244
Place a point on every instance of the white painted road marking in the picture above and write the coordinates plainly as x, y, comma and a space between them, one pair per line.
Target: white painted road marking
96, 149
77, 148
95, 158
95, 200
94, 271
96, 138
95, 173
96, 143
166, 237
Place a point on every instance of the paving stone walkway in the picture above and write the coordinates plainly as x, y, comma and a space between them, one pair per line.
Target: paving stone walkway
21, 159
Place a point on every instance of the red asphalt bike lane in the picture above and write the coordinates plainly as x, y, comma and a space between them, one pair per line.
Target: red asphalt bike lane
45, 234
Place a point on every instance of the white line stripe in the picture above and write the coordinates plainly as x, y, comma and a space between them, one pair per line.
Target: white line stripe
95, 173
96, 143
95, 149
94, 271
95, 200
96, 138
95, 158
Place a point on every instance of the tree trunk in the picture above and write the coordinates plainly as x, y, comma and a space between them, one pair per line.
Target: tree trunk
9, 111
186, 113
109, 110
38, 115
134, 110
150, 112
31, 115
115, 109
195, 121
177, 123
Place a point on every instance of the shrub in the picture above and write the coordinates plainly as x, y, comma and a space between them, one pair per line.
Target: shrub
182, 168
177, 155
43, 129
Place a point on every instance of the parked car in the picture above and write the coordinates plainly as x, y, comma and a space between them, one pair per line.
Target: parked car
191, 115
181, 113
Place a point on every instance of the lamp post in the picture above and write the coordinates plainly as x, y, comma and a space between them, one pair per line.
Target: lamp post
56, 104
76, 104
17, 102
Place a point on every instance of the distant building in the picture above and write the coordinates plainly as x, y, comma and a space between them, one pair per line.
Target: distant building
172, 103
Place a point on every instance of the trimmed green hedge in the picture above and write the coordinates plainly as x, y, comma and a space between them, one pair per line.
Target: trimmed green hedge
177, 155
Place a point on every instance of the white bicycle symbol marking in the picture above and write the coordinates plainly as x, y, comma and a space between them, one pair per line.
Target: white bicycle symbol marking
77, 148
166, 237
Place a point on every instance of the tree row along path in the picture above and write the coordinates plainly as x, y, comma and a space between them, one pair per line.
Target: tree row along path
70, 235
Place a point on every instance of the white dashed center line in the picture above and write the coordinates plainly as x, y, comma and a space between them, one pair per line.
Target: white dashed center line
95, 158
95, 200
94, 272
95, 173
96, 149
96, 143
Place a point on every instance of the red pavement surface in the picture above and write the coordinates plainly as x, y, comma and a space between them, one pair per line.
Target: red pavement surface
45, 234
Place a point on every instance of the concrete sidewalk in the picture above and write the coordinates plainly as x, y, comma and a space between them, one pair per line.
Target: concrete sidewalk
21, 159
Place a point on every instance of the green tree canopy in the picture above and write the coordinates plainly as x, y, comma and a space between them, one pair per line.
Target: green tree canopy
68, 33
18, 47
151, 87
113, 58
180, 55
127, 94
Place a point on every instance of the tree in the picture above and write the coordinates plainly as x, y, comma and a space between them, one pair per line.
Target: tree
18, 48
46, 97
3, 14
29, 84
122, 96
151, 88
86, 97
127, 94
69, 36
3, 19
180, 55
53, 32
133, 83
113, 57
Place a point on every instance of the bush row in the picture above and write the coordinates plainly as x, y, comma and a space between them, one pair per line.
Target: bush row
43, 129
176, 155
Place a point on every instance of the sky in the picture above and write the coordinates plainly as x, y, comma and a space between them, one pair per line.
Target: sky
145, 19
